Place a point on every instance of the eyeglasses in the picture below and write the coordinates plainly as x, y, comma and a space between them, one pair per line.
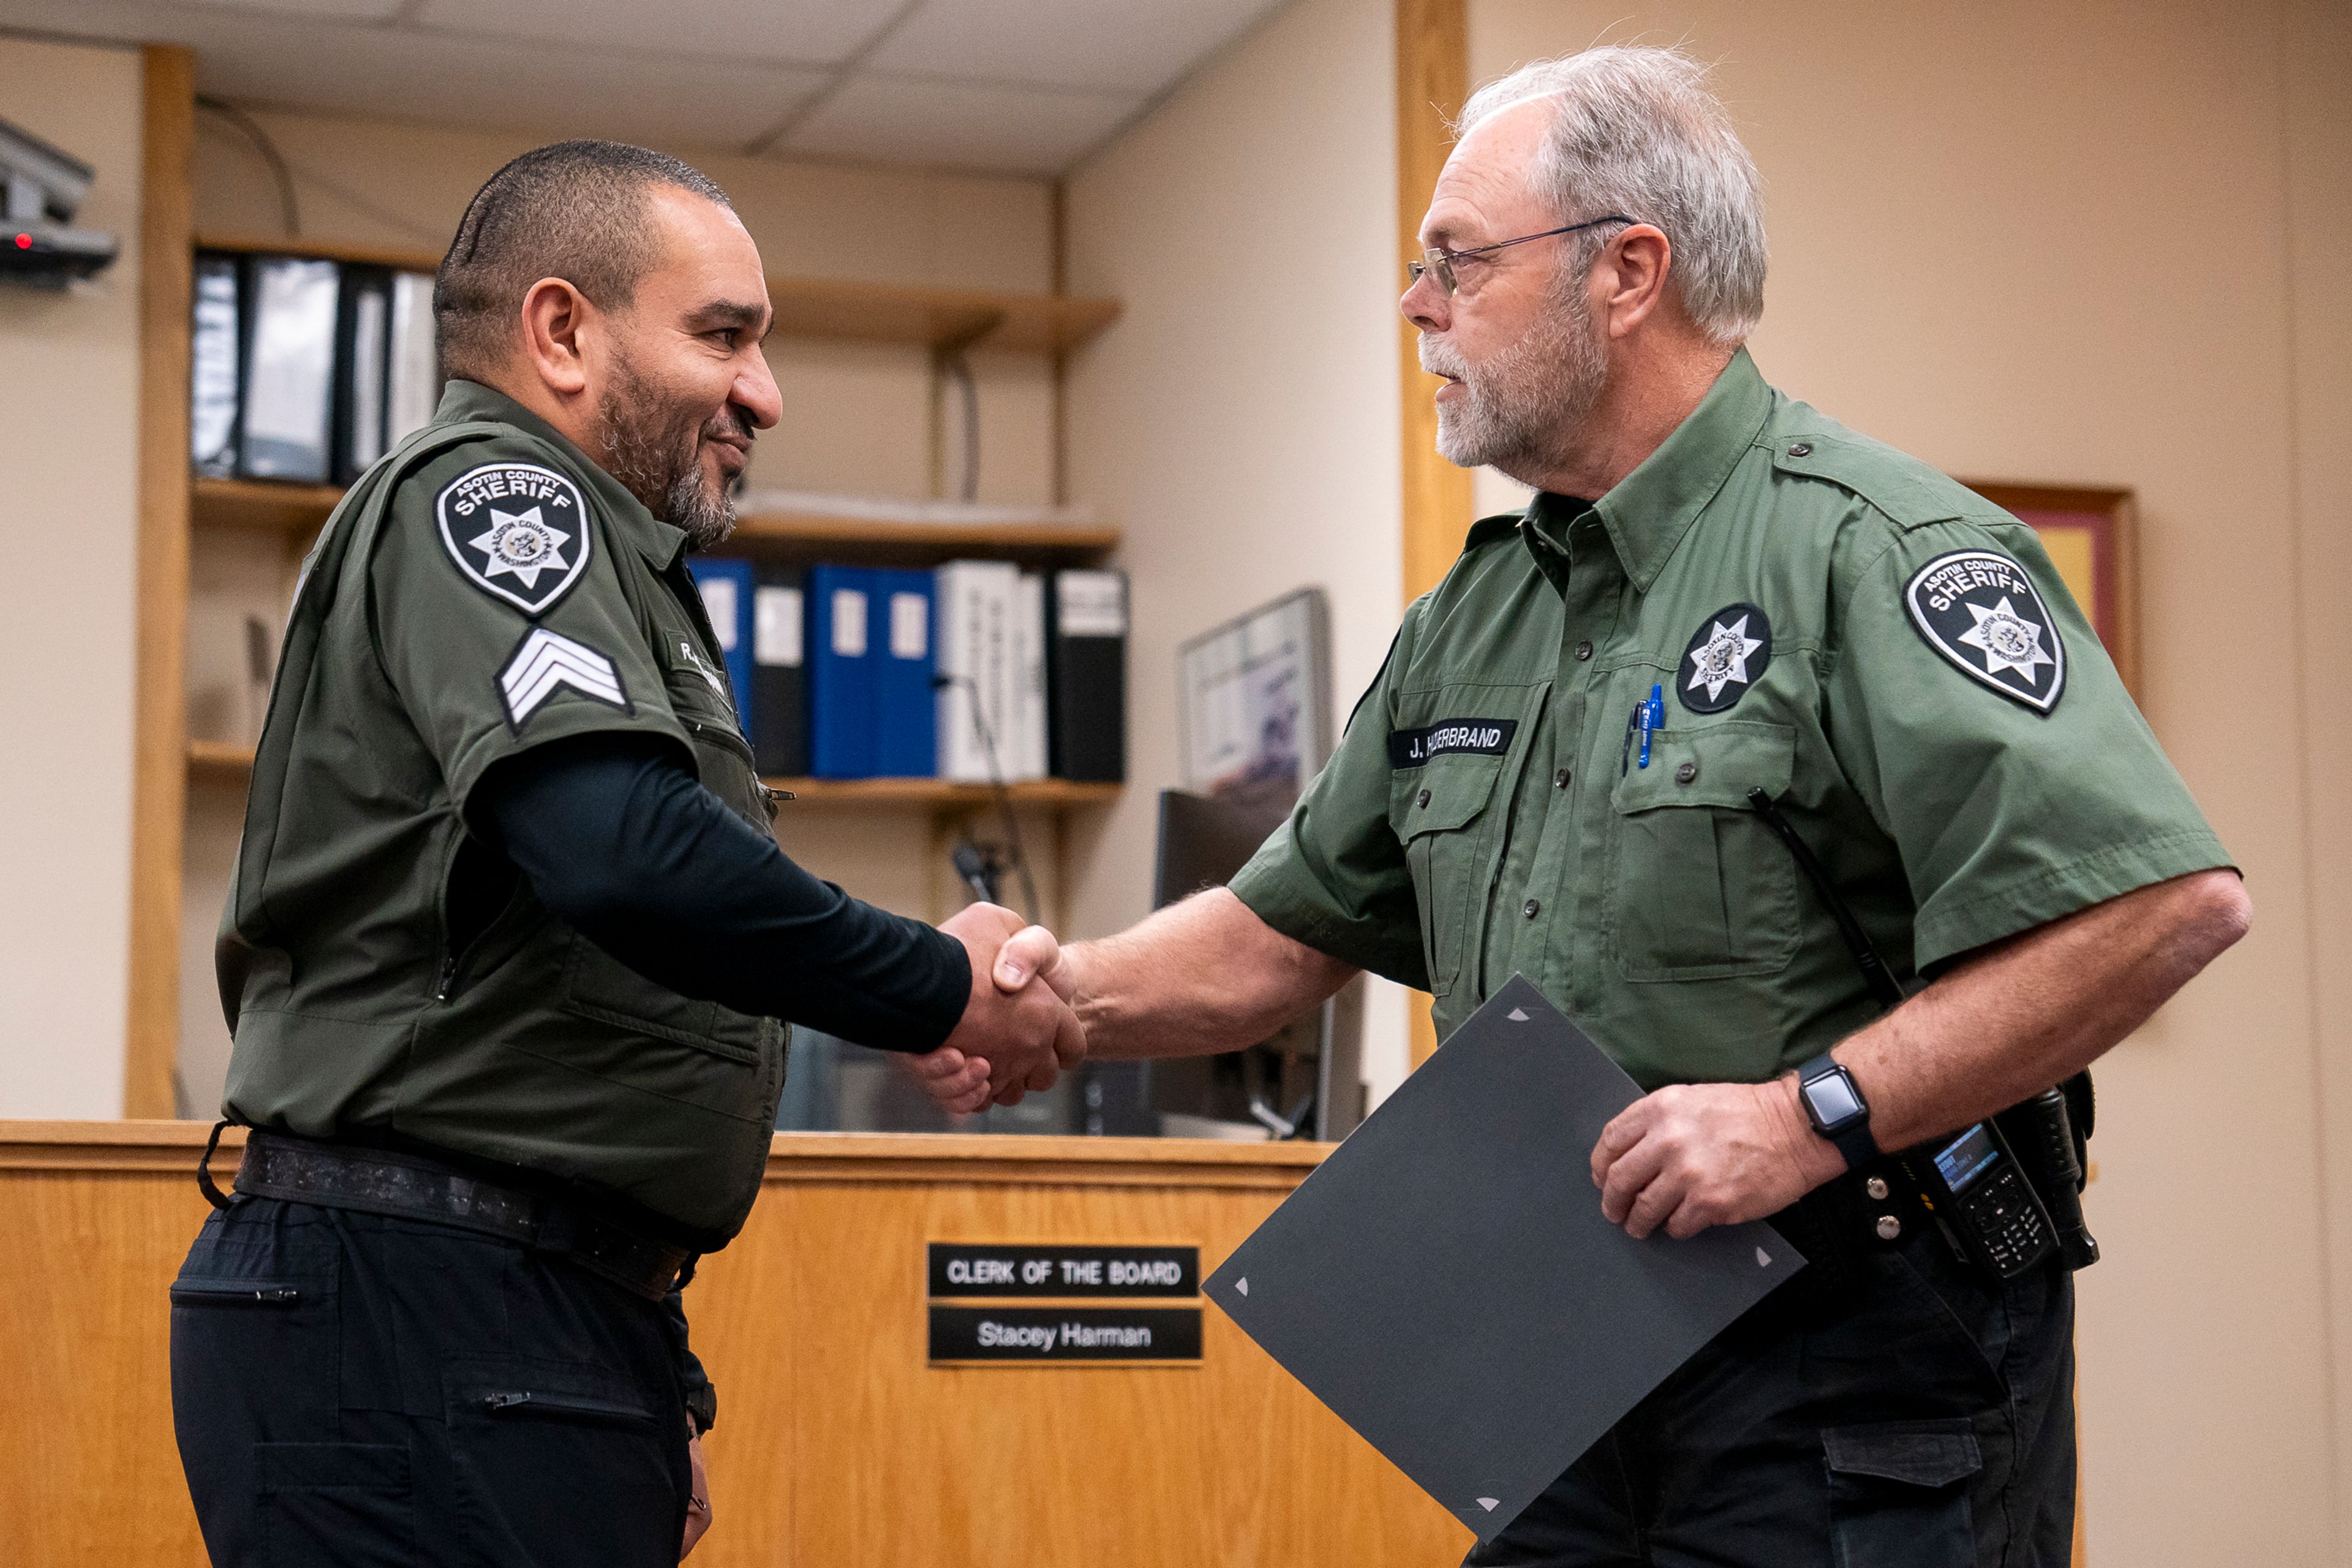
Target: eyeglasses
1440, 261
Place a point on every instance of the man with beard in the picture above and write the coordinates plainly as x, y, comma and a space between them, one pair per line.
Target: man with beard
508, 943
1720, 597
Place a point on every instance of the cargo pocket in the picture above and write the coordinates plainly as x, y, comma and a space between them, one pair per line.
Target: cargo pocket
1699, 888
1899, 1495
255, 1321
335, 1505
557, 1463
1439, 810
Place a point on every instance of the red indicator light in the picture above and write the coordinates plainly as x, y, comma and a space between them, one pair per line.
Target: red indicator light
24, 242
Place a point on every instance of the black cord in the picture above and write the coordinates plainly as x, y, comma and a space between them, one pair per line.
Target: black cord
288, 213
959, 370
996, 782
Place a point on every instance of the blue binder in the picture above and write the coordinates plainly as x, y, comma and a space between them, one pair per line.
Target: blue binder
727, 588
906, 710
841, 672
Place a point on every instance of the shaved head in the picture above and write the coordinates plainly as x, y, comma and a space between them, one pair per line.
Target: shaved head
577, 210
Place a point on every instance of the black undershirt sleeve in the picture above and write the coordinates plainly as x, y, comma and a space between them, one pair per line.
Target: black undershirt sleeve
618, 840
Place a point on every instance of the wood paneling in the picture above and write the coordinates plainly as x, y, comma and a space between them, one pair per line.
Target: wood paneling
159, 779
1432, 78
837, 1444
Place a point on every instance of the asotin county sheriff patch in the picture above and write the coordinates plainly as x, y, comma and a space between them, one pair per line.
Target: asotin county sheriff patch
1724, 657
1980, 611
518, 531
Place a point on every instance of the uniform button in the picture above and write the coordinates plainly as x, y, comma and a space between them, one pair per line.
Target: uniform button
1560, 778
1532, 909
1801, 450
1889, 1227
1583, 651
1876, 1188
1684, 773
1424, 800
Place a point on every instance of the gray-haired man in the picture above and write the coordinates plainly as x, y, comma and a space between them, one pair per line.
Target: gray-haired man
1774, 604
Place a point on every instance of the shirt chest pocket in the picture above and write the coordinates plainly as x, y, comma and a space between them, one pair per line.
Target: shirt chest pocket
1441, 811
723, 759
1698, 887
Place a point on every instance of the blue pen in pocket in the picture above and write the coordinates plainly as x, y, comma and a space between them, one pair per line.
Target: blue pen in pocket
1652, 715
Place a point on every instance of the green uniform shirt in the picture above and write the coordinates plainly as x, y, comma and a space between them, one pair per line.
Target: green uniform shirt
484, 590
1886, 654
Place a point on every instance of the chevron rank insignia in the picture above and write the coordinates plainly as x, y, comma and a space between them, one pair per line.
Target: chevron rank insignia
544, 663
519, 532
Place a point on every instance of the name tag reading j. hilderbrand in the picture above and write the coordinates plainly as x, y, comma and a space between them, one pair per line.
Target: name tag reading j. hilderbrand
1475, 737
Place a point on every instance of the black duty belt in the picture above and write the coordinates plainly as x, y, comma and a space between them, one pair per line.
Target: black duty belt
409, 1186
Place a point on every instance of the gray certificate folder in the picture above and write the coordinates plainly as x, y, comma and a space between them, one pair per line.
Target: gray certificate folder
1446, 1283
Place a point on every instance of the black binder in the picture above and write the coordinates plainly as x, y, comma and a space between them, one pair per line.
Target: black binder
779, 672
1446, 1282
362, 374
1086, 674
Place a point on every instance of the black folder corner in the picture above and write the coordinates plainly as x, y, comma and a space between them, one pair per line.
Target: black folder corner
1446, 1283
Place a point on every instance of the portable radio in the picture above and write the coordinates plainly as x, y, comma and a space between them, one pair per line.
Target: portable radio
1980, 1194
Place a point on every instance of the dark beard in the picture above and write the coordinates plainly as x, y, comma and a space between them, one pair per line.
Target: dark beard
652, 446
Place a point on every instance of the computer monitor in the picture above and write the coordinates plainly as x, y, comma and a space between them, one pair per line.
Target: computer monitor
1307, 1074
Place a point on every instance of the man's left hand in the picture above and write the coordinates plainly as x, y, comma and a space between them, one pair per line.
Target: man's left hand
1697, 1154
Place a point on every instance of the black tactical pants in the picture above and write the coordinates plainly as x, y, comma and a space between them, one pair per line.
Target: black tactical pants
355, 1390
1915, 1418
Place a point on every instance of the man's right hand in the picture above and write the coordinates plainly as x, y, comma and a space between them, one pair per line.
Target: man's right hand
1014, 1036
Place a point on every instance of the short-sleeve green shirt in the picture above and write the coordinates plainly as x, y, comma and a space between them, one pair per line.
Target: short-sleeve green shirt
1888, 656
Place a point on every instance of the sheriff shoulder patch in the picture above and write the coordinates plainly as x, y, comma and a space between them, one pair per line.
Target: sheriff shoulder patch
1980, 611
1724, 657
519, 532
545, 663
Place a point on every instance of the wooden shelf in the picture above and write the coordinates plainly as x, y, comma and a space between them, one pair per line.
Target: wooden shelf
262, 507
227, 760
869, 537
830, 307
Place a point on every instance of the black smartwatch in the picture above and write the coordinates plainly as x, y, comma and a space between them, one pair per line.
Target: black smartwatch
1833, 1104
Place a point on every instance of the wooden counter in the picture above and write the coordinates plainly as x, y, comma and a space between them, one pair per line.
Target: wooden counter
837, 1446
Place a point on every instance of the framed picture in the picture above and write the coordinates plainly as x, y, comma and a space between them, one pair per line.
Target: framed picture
2092, 537
1254, 704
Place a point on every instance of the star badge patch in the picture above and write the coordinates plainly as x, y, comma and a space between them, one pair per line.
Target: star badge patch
1981, 612
1724, 657
518, 531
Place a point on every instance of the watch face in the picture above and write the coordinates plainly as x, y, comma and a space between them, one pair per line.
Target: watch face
1833, 1099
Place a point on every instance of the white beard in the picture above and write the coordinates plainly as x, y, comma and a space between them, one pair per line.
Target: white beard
1524, 410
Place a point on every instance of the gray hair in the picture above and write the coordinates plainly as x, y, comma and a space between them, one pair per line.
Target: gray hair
1638, 131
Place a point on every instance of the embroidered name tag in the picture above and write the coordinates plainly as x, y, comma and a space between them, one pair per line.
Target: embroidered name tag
1478, 737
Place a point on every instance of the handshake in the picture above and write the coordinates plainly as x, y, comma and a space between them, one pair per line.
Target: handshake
1017, 1032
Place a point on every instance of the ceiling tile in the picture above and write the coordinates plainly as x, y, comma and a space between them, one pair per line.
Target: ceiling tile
494, 84
1131, 46
959, 125
812, 31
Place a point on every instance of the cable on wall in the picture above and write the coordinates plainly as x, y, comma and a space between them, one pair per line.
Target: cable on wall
290, 212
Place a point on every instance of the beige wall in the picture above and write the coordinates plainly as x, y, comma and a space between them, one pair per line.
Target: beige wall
2318, 136
69, 402
2066, 242
1241, 420
854, 421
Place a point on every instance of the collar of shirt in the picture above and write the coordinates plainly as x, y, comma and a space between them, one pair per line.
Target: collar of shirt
1649, 511
656, 540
